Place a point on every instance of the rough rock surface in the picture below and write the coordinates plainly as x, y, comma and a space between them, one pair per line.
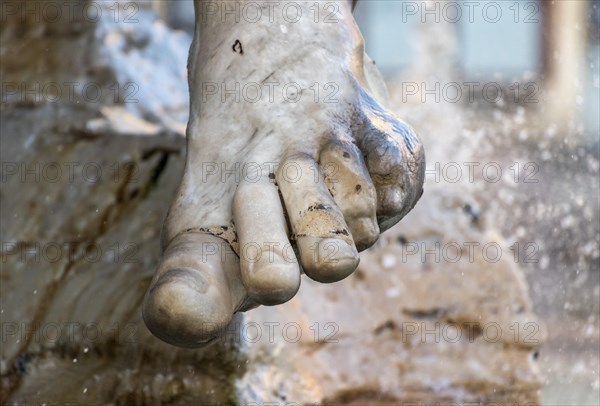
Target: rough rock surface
71, 322
404, 329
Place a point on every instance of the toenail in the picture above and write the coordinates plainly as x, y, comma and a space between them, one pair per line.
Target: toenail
329, 260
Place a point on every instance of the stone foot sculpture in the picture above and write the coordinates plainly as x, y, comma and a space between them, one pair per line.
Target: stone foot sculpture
292, 165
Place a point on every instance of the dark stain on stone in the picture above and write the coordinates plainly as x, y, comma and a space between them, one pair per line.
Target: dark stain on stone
471, 212
346, 155
361, 396
358, 188
359, 274
388, 325
268, 76
237, 47
294, 237
21, 363
469, 329
254, 134
319, 206
402, 240
425, 314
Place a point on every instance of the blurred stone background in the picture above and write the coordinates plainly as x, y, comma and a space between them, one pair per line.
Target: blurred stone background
93, 113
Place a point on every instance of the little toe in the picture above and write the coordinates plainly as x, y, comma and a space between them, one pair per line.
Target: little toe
396, 162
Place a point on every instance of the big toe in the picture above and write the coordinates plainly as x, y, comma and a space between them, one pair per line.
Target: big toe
183, 308
195, 291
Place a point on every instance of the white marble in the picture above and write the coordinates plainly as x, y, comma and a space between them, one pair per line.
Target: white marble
286, 103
